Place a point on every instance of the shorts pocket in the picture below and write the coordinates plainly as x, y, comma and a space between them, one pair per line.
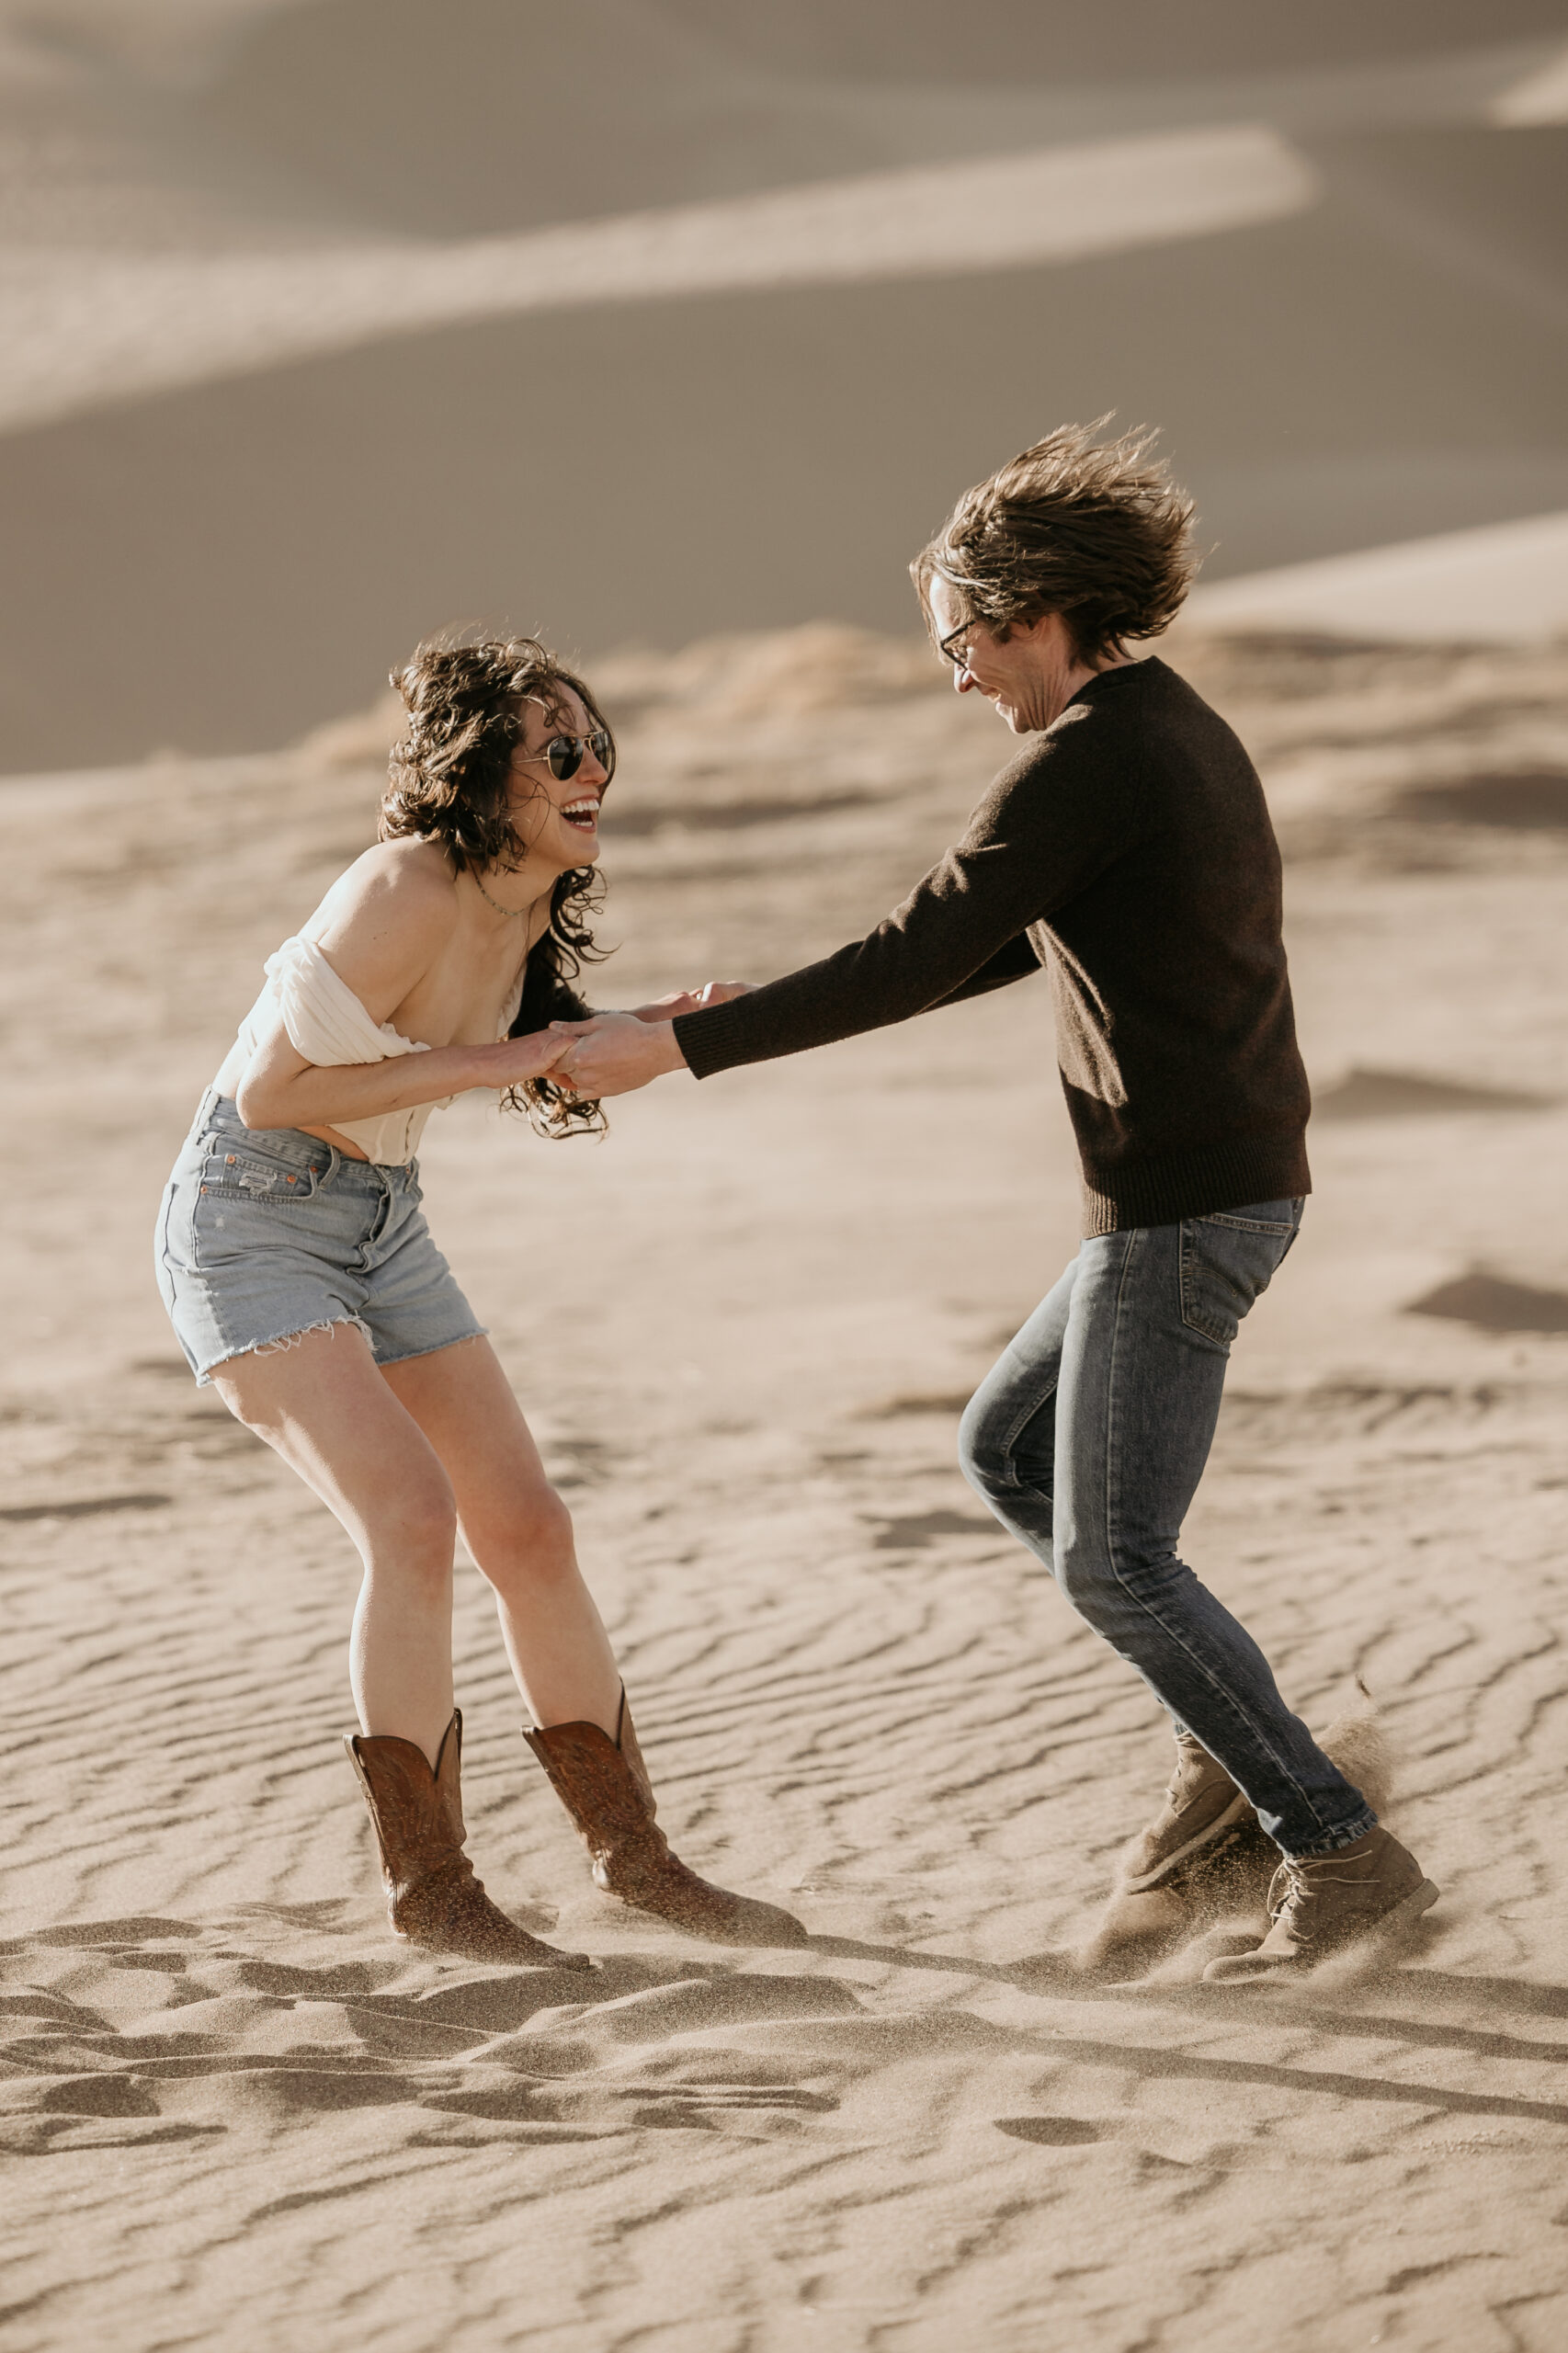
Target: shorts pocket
1226, 1260
248, 1172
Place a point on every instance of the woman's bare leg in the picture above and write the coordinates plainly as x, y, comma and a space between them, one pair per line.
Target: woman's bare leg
518, 1530
326, 1408
520, 1533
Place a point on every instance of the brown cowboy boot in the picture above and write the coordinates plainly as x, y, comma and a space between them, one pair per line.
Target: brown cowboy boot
604, 1786
1201, 1804
433, 1897
1320, 1904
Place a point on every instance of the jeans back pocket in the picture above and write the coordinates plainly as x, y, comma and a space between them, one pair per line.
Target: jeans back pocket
1229, 1258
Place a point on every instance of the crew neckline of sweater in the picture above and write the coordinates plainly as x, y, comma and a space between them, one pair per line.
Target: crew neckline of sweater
1123, 671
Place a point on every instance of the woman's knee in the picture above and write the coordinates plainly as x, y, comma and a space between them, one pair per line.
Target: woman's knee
414, 1532
527, 1544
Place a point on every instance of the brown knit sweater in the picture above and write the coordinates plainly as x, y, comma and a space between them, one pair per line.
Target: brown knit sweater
1127, 849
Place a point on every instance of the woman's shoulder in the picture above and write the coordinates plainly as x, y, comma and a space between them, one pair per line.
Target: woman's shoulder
413, 877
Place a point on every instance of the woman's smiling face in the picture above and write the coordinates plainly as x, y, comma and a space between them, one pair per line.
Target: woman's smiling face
556, 821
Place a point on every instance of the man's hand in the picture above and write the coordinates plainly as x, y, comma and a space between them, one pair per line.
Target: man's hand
617, 1053
614, 1053
664, 1008
511, 1061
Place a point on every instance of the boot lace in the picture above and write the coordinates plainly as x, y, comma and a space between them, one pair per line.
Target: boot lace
1291, 1889
1288, 1894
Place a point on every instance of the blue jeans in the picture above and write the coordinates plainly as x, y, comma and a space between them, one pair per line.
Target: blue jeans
1088, 1440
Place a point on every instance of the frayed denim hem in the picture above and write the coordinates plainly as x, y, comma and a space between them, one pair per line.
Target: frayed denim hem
282, 1342
412, 1355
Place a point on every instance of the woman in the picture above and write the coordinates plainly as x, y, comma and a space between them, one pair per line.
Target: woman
299, 1275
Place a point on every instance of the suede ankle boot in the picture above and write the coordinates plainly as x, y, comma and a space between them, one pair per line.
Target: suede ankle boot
1201, 1804
1322, 1905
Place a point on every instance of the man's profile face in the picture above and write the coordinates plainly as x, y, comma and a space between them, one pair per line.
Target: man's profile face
1021, 675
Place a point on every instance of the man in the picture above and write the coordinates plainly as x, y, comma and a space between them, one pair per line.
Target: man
1127, 849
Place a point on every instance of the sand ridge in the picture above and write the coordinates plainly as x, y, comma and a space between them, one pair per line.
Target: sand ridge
234, 2113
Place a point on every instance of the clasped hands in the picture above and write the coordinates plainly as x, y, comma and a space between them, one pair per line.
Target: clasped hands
614, 1054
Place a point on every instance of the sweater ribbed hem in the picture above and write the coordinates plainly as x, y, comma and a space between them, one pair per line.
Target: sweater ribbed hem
1226, 1175
704, 1036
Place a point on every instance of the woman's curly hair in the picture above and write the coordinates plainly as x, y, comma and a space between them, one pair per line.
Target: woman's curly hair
1094, 530
449, 783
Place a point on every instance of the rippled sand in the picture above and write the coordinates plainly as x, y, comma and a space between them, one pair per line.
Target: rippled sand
236, 2115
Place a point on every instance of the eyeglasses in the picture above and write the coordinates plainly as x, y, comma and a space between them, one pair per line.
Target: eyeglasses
959, 660
564, 753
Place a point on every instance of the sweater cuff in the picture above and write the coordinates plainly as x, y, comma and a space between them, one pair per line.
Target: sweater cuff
715, 1038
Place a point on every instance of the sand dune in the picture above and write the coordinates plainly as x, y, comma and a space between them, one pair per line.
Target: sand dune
752, 458
234, 2114
1506, 581
1538, 96
1210, 36
641, 321
327, 323
109, 327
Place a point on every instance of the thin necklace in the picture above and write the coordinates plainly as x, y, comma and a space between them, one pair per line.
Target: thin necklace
501, 911
493, 903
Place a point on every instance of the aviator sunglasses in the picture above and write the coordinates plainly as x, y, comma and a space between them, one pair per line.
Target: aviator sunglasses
564, 754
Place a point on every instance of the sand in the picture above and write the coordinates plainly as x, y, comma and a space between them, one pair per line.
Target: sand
237, 2116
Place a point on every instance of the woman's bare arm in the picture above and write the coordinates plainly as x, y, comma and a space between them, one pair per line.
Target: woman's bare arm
385, 933
281, 1090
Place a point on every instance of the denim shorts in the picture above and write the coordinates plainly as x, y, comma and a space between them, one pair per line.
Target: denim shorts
264, 1234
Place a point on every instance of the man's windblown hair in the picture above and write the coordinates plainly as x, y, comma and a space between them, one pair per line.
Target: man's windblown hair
1095, 530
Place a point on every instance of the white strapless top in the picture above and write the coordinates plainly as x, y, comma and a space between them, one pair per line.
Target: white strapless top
328, 1023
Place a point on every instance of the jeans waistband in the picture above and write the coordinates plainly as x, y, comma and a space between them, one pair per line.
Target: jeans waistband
218, 1114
